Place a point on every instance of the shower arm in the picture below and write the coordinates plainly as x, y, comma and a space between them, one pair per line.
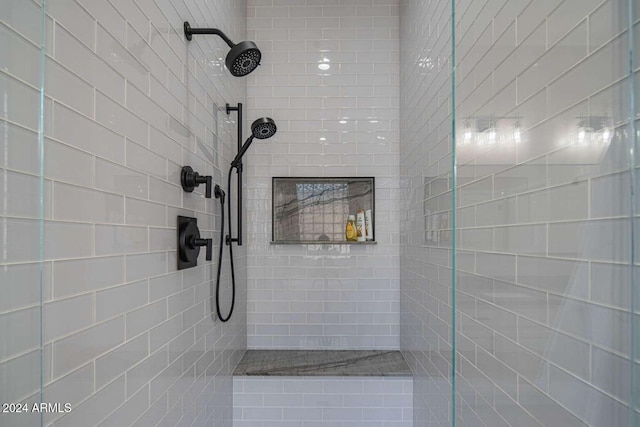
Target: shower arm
238, 239
189, 32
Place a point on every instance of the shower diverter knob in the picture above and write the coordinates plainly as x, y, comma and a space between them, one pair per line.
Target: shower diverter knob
189, 243
191, 179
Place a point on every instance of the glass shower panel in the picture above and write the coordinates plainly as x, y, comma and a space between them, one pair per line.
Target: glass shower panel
22, 198
426, 228
634, 39
543, 226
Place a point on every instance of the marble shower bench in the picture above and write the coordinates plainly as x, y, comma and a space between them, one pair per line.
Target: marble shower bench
322, 388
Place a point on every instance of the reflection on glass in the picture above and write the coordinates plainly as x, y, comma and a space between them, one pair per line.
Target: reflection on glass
21, 212
543, 228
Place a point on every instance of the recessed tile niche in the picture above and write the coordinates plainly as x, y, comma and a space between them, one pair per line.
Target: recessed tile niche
316, 210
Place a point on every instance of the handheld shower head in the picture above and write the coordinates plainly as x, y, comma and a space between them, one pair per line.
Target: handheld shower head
243, 57
262, 128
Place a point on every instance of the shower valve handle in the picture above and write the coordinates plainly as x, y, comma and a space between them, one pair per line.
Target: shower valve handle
191, 179
209, 182
204, 242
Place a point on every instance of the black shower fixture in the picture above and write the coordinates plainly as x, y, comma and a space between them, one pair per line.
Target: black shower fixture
191, 179
243, 57
189, 243
262, 128
238, 110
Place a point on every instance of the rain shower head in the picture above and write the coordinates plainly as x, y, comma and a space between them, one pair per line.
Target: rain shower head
262, 128
243, 57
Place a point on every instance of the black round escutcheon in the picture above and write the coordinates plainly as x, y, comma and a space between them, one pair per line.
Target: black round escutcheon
188, 179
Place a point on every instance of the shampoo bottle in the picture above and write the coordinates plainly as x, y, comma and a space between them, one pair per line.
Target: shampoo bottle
350, 232
361, 232
368, 224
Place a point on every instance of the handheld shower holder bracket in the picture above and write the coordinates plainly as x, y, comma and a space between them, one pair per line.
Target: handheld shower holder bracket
231, 109
219, 193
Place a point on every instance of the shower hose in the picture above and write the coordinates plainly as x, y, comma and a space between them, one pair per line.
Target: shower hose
223, 243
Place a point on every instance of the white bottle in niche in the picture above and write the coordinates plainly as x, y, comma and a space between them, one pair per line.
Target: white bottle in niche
368, 225
360, 228
428, 225
435, 226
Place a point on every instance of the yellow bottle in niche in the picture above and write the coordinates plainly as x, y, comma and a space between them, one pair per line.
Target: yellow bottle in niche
350, 233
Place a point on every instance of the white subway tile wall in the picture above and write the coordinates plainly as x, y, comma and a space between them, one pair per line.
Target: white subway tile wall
325, 401
128, 340
329, 78
542, 226
543, 234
